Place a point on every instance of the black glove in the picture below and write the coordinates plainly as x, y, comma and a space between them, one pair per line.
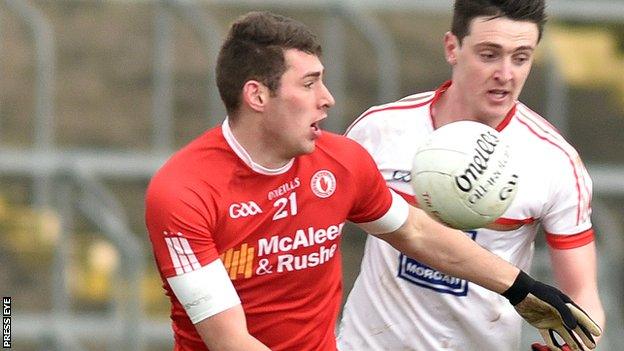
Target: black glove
540, 347
551, 311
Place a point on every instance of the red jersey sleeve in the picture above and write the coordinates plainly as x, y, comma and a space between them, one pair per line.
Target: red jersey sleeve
373, 199
180, 223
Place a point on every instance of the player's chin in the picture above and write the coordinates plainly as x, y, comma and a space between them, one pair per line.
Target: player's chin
495, 112
308, 146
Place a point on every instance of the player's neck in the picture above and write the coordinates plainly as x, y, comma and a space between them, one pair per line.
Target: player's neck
446, 109
262, 150
450, 107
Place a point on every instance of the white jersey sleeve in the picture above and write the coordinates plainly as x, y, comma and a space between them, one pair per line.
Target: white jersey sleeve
569, 208
558, 171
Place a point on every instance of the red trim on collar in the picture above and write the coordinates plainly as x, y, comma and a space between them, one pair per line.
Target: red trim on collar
441, 90
507, 119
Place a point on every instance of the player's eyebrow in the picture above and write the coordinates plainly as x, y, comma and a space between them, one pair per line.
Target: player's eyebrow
314, 74
488, 44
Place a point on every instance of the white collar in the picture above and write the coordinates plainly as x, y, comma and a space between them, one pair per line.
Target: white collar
243, 155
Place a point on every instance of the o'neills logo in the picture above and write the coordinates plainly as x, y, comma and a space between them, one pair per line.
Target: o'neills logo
284, 188
486, 146
323, 183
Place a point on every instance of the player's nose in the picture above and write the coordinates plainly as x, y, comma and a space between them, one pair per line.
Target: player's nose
327, 100
504, 71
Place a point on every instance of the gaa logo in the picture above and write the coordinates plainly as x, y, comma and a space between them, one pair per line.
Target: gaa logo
323, 183
243, 209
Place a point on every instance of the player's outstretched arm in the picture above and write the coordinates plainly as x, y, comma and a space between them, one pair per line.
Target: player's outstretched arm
227, 331
452, 252
213, 306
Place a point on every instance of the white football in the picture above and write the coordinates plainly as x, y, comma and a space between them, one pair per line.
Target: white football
463, 175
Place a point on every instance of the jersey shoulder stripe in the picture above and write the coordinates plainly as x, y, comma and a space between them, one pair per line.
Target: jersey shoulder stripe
418, 97
409, 102
540, 123
543, 130
182, 255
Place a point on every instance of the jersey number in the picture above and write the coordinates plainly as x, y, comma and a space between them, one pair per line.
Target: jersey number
285, 206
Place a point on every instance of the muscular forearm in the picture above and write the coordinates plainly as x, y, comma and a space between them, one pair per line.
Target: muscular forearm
227, 331
575, 271
239, 343
592, 305
451, 251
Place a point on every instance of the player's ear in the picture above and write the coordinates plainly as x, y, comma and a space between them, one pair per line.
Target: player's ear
451, 45
255, 95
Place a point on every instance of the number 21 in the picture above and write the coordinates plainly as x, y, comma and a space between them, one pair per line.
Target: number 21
283, 203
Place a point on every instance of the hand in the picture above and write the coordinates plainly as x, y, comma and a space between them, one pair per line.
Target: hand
551, 311
540, 347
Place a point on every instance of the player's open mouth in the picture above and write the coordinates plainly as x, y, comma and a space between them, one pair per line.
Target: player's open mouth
316, 129
498, 94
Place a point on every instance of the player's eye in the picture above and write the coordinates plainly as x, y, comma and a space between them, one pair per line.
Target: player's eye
487, 55
521, 59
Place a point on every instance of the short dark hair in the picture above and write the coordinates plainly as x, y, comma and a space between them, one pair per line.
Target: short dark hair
254, 49
518, 10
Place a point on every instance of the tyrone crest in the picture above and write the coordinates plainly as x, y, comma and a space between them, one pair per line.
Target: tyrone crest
323, 183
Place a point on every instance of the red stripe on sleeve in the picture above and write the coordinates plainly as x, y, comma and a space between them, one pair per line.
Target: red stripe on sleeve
565, 242
511, 221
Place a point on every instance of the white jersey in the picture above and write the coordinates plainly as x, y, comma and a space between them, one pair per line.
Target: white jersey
398, 303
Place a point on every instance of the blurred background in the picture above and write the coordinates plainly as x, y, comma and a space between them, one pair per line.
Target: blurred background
96, 94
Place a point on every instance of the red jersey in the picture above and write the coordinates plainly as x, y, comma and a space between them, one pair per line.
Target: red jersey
277, 231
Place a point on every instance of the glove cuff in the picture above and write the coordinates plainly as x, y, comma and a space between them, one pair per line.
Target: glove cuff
519, 289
